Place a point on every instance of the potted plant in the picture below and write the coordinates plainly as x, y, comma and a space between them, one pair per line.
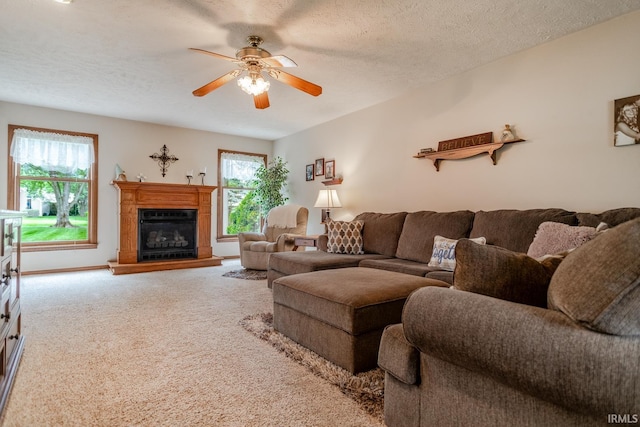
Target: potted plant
269, 185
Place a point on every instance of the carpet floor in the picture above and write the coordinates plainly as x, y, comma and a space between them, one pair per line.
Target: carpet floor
366, 388
160, 349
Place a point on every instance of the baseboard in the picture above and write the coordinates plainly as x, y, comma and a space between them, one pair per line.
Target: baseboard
64, 270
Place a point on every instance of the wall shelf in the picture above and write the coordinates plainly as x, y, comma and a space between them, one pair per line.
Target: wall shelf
334, 181
464, 153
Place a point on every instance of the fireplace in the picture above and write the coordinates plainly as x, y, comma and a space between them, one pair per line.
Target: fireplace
167, 234
163, 227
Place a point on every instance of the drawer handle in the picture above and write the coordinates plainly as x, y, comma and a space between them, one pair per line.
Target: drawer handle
5, 316
14, 337
15, 270
5, 279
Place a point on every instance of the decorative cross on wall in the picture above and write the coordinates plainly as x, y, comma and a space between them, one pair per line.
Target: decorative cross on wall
163, 159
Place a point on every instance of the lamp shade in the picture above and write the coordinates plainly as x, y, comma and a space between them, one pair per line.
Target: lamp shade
328, 199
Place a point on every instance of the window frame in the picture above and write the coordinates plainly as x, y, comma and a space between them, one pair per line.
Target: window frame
220, 236
13, 195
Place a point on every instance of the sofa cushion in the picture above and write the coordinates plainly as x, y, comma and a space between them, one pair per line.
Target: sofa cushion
307, 261
444, 252
501, 273
398, 265
598, 284
442, 275
555, 237
515, 229
344, 237
611, 217
381, 231
420, 228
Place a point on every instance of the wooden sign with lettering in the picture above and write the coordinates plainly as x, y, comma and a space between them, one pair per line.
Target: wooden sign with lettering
466, 141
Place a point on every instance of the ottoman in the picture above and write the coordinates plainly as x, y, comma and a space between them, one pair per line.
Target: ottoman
286, 263
340, 314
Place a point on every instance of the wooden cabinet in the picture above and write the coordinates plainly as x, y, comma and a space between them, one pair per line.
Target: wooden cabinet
11, 339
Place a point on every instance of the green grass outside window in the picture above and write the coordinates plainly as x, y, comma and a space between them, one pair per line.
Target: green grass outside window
41, 229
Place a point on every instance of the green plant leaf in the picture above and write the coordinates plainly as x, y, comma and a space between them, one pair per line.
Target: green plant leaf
269, 185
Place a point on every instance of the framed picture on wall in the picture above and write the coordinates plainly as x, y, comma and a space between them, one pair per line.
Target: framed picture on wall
330, 169
319, 167
309, 172
626, 125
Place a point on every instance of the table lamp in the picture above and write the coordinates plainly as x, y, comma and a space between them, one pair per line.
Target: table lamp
326, 200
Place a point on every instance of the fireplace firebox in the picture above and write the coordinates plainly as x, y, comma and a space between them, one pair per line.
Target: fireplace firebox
167, 234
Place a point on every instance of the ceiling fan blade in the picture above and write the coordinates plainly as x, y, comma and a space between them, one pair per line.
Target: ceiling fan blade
279, 61
296, 82
211, 86
261, 101
217, 55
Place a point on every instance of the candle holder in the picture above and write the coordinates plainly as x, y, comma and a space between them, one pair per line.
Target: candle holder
189, 178
202, 175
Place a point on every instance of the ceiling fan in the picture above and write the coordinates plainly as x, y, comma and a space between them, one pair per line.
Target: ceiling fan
254, 61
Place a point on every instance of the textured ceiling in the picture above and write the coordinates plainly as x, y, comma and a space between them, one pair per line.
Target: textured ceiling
129, 59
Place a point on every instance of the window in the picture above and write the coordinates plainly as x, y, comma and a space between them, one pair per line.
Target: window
53, 181
237, 211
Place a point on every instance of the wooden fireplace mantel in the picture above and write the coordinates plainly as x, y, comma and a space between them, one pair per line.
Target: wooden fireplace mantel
135, 195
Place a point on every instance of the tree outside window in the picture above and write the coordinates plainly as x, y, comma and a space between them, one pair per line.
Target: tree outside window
238, 210
53, 182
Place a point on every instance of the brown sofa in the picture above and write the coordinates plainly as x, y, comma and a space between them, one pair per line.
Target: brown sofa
463, 358
469, 359
403, 242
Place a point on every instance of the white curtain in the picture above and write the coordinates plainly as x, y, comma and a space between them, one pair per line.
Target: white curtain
52, 151
240, 166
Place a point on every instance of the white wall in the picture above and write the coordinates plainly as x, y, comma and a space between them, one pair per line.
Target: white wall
558, 96
129, 144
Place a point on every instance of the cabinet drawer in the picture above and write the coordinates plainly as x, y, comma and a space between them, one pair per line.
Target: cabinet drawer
14, 335
3, 360
13, 291
7, 237
304, 241
5, 311
5, 281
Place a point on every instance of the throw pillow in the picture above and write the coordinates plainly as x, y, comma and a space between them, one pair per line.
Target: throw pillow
500, 273
555, 237
344, 237
598, 285
444, 252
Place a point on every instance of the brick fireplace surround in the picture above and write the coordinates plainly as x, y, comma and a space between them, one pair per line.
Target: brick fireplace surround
148, 195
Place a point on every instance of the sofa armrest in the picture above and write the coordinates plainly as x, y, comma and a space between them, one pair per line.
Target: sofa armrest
251, 237
285, 242
538, 351
323, 239
399, 357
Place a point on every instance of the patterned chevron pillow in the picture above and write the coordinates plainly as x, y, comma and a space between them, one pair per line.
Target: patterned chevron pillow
344, 237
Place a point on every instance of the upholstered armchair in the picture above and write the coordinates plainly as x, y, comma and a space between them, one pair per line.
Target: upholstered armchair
282, 225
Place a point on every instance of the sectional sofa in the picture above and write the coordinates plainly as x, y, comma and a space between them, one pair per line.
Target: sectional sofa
491, 356
403, 242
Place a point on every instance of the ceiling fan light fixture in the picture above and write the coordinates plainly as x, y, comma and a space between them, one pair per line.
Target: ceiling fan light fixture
254, 85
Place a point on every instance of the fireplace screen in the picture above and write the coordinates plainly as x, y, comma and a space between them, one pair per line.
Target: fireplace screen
167, 234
